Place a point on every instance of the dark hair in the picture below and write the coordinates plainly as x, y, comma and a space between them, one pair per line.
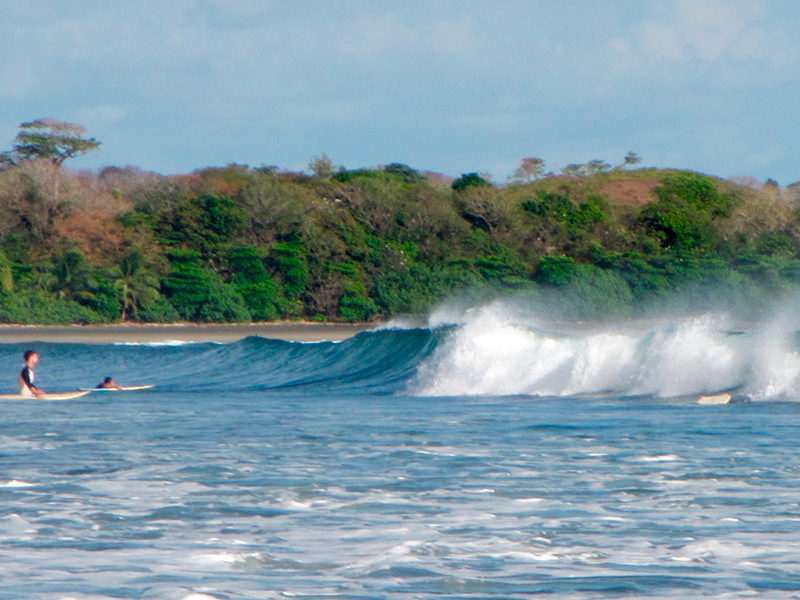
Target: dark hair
108, 379
29, 353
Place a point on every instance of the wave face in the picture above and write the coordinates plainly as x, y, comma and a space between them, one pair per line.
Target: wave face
495, 350
379, 362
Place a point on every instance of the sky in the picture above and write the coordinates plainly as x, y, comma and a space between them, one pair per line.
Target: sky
452, 86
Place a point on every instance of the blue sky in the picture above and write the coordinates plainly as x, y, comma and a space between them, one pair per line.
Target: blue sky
449, 86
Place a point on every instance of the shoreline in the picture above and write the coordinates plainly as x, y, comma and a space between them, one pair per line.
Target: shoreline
290, 331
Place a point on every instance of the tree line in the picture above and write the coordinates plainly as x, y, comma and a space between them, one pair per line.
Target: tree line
235, 243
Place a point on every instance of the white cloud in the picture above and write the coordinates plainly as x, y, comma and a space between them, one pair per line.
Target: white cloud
695, 33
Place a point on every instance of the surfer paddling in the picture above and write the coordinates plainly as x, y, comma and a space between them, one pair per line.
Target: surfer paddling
108, 384
26, 376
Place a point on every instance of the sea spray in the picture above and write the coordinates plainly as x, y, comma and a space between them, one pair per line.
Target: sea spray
775, 370
698, 356
500, 349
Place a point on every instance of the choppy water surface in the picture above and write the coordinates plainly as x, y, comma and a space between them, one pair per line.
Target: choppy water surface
336, 476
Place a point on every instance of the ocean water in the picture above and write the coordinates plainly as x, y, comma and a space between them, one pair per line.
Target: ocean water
488, 454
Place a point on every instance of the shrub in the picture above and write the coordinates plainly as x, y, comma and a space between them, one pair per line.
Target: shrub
201, 223
349, 176
355, 306
245, 265
589, 293
6, 273
678, 227
550, 204
694, 190
776, 244
405, 172
555, 271
468, 180
39, 307
158, 311
223, 304
290, 261
501, 267
645, 280
199, 294
105, 300
261, 299
416, 288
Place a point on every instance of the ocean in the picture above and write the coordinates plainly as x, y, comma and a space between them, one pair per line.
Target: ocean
485, 455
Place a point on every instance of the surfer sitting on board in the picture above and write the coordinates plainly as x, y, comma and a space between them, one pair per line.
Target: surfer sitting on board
26, 386
109, 383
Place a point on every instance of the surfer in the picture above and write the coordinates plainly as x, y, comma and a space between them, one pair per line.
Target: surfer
109, 383
26, 376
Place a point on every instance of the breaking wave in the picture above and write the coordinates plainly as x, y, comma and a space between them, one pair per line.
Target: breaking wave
502, 348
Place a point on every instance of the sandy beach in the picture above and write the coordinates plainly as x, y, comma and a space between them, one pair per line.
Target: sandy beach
179, 332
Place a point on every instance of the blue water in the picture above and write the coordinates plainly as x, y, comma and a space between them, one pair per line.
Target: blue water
371, 469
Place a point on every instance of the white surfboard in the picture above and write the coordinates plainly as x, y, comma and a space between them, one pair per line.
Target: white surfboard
715, 399
54, 396
124, 388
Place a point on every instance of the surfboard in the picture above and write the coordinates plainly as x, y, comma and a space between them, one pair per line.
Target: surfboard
124, 388
716, 399
54, 396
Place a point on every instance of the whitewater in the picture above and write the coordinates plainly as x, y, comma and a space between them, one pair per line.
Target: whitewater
488, 452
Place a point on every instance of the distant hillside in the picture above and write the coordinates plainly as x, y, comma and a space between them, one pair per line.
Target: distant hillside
238, 244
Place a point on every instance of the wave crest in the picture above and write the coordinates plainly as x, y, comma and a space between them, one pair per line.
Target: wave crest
502, 349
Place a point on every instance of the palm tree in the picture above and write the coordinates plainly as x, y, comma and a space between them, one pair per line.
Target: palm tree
73, 277
136, 285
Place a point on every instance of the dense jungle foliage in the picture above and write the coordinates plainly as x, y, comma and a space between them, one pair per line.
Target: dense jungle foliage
236, 244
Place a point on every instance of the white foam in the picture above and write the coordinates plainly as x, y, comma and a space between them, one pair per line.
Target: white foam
15, 483
15, 524
697, 356
401, 323
659, 458
776, 365
501, 350
215, 559
707, 550
529, 556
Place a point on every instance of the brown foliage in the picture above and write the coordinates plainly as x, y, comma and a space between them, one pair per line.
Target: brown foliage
51, 208
765, 209
125, 181
228, 181
633, 191
485, 207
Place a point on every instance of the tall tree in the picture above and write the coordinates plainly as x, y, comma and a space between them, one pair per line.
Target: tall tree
575, 169
322, 166
53, 140
632, 159
597, 166
530, 169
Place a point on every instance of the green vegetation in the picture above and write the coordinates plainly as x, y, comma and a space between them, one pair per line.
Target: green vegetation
52, 140
237, 244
